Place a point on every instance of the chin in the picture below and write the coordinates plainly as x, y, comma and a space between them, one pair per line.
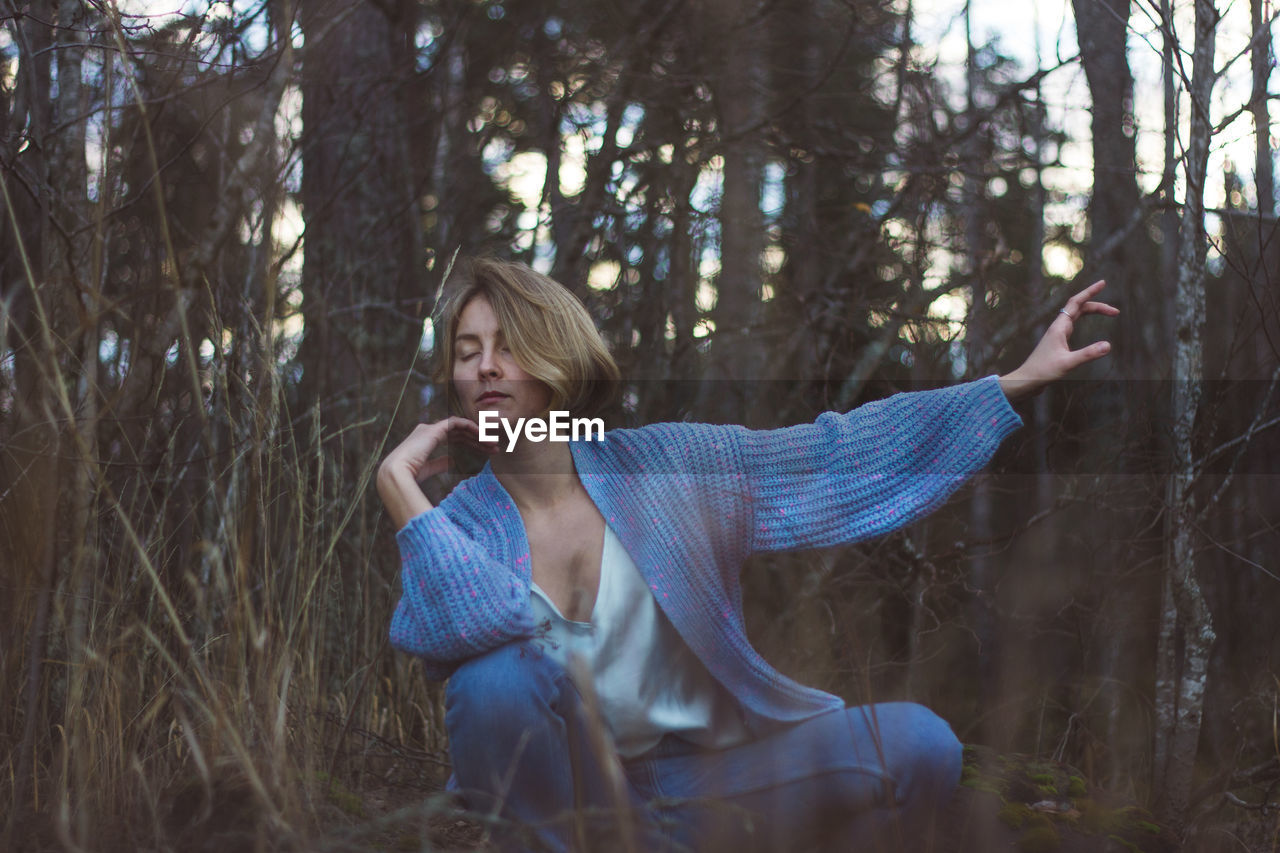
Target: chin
499, 410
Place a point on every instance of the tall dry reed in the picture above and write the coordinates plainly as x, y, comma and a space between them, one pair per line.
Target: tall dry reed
198, 594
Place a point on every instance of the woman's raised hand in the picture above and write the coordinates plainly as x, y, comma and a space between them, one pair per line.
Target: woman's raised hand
1053, 357
411, 463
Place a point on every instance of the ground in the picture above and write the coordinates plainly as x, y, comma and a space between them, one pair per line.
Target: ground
1005, 802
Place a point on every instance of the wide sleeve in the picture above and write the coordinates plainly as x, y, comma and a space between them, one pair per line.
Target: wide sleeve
852, 476
457, 601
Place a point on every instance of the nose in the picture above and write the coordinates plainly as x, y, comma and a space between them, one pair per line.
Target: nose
489, 366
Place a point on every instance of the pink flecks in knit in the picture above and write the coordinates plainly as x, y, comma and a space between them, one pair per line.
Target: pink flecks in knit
830, 503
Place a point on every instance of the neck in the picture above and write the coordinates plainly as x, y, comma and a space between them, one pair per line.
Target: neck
537, 476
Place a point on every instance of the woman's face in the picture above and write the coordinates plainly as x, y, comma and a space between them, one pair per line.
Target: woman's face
485, 374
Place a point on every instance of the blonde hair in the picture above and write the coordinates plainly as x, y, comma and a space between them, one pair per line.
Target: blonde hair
550, 333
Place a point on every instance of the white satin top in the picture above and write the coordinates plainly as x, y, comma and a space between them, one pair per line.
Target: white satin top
645, 678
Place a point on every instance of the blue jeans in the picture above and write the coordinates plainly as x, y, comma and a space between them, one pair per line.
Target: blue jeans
525, 751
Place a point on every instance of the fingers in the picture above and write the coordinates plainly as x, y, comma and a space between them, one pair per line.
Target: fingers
464, 431
1084, 295
1084, 355
1099, 308
1080, 304
435, 466
1053, 358
457, 422
1092, 351
415, 454
474, 442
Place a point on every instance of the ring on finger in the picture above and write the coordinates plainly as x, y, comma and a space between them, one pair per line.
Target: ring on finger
1065, 311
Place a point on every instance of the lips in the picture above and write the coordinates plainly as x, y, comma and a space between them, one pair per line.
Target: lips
490, 396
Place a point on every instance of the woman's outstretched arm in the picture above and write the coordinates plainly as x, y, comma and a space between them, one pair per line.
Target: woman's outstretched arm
1053, 357
847, 477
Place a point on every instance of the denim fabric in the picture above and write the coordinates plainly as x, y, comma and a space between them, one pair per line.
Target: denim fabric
526, 751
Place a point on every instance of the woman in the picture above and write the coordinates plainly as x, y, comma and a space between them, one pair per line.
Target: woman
582, 597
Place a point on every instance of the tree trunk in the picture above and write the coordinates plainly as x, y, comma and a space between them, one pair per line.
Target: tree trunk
52, 329
981, 566
797, 62
362, 276
448, 99
1120, 252
1169, 217
1184, 684
1101, 26
73, 275
740, 99
1260, 59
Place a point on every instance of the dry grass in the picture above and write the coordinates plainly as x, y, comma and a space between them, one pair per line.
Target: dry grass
197, 593
197, 579
214, 670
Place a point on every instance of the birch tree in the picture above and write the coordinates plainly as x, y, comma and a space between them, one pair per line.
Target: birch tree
1186, 630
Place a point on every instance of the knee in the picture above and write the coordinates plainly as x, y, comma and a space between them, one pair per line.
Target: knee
923, 754
507, 690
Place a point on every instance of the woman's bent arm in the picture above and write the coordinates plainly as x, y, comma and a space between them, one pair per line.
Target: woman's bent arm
456, 600
411, 463
401, 495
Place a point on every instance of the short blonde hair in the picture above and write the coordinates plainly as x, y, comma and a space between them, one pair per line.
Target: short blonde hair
550, 333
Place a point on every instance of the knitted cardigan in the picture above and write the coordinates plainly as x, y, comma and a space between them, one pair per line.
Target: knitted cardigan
690, 502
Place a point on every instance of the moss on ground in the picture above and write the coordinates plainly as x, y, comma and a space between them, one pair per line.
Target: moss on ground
341, 796
1015, 815
1041, 838
1048, 803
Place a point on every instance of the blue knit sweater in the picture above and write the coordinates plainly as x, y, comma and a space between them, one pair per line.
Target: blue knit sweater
690, 502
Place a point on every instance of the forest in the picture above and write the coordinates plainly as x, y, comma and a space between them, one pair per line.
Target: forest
223, 232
